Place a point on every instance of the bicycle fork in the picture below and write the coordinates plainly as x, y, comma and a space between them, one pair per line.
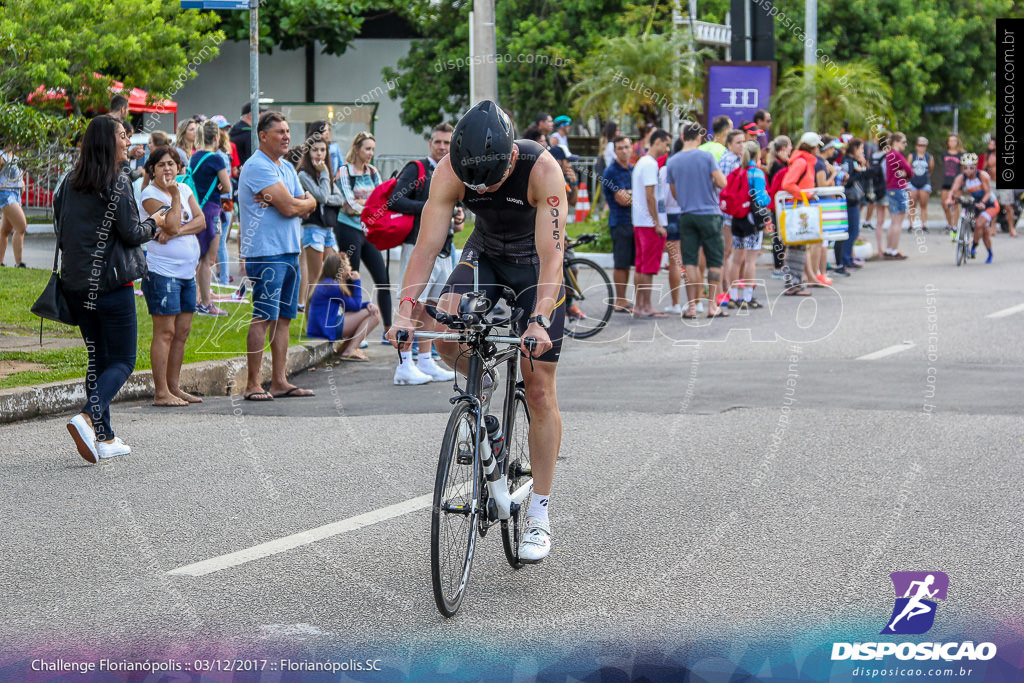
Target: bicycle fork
497, 483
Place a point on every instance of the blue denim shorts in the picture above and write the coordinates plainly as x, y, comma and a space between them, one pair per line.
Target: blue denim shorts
673, 226
10, 197
898, 200
169, 295
275, 291
315, 237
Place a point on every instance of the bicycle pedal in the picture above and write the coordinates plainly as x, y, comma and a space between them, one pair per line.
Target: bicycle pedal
465, 455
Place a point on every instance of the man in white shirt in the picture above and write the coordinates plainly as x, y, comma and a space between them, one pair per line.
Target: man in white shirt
649, 234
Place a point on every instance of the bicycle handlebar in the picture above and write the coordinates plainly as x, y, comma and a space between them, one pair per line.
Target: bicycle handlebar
580, 240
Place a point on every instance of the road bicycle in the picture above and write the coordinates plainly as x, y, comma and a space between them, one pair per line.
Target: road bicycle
483, 475
963, 239
588, 289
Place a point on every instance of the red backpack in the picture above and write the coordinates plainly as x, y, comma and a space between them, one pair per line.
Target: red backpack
735, 197
385, 228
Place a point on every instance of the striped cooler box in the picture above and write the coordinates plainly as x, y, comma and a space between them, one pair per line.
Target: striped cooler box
835, 223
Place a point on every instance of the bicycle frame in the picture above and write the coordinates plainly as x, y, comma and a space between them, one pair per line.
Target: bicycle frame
497, 487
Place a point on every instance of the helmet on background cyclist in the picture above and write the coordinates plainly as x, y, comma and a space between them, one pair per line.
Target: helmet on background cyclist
481, 148
969, 160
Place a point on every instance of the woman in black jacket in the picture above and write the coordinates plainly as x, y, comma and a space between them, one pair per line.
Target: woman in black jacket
99, 234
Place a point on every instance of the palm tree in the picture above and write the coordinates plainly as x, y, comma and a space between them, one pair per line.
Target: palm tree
631, 75
853, 91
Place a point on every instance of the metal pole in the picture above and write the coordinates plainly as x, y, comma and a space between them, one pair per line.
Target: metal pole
956, 118
747, 32
254, 72
810, 56
472, 51
485, 51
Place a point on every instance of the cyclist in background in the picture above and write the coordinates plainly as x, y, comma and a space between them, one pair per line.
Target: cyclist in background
517, 191
976, 183
950, 170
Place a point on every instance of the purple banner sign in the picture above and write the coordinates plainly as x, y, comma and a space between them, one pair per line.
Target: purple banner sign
738, 89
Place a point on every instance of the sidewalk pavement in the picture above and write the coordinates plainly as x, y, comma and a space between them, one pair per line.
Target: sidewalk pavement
209, 378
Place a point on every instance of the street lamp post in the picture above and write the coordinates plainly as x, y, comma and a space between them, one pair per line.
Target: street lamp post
483, 48
810, 55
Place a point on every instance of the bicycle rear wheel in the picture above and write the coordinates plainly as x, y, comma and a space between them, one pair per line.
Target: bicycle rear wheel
454, 514
519, 474
590, 289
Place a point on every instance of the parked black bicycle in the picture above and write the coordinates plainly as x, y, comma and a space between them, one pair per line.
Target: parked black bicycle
589, 295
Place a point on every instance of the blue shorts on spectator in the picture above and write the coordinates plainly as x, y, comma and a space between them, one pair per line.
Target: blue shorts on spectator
275, 291
169, 295
898, 200
317, 238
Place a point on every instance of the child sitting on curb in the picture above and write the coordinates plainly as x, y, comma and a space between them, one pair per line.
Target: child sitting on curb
337, 311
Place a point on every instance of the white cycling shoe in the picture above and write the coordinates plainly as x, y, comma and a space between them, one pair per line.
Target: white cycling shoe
536, 541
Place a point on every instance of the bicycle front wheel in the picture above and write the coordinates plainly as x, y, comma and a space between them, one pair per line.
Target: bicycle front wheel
519, 474
964, 236
455, 512
589, 291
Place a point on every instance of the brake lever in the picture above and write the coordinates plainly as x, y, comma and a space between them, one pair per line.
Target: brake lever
401, 337
531, 346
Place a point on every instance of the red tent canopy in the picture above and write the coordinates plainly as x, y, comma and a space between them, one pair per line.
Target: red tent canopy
136, 100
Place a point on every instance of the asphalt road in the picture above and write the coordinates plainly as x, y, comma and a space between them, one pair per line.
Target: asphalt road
721, 487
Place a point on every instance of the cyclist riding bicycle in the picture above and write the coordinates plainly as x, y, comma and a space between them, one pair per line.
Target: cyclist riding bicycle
517, 192
978, 184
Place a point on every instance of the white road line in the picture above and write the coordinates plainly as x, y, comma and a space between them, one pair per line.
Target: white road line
888, 351
1006, 311
303, 538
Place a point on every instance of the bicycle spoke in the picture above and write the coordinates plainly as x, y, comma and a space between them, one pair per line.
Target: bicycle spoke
454, 515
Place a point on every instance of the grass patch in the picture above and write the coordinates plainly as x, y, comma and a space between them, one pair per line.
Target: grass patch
211, 338
603, 245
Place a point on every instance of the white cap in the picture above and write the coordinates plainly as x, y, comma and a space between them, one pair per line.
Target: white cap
811, 138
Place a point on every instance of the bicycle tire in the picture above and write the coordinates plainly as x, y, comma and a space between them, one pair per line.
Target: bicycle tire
591, 289
963, 236
454, 514
518, 469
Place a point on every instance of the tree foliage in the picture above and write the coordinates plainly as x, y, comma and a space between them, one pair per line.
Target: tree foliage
82, 46
855, 92
294, 24
629, 76
551, 38
930, 52
429, 80
538, 41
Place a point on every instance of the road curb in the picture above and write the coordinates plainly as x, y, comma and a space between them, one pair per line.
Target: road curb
224, 377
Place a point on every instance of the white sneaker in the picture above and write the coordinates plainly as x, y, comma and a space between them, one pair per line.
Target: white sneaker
437, 373
675, 310
536, 542
408, 373
700, 306
84, 437
112, 450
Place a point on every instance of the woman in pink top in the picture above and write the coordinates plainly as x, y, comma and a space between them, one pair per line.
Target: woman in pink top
897, 179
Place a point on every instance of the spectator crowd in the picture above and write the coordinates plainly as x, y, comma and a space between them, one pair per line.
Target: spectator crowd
705, 201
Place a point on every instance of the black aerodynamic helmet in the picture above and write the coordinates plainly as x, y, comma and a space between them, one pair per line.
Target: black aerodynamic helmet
481, 148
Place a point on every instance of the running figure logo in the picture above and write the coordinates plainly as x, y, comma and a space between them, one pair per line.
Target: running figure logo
916, 593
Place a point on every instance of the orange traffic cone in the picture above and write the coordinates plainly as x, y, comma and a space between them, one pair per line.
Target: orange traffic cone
582, 204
